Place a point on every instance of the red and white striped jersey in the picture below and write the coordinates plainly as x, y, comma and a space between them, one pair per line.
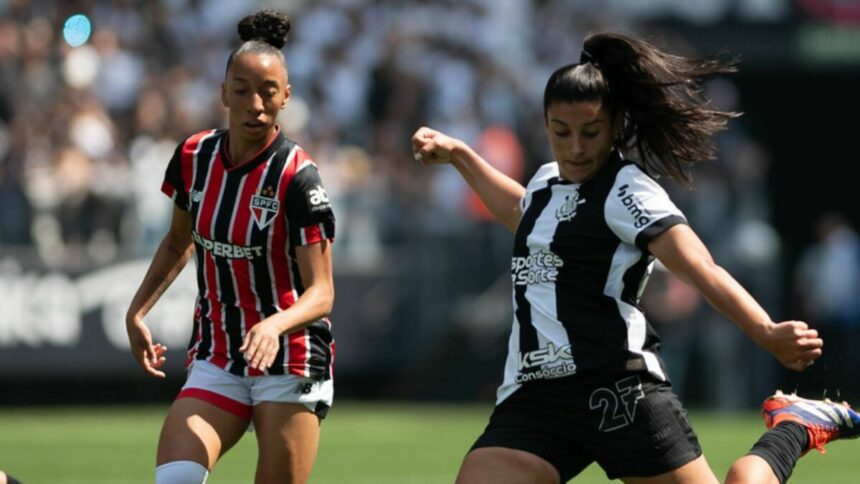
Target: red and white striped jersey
247, 221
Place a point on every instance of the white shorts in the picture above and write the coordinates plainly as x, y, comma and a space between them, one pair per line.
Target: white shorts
238, 394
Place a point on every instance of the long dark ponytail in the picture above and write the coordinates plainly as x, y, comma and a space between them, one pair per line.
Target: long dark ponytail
665, 116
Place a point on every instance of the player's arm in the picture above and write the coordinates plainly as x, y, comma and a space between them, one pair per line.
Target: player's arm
261, 342
793, 343
500, 193
172, 255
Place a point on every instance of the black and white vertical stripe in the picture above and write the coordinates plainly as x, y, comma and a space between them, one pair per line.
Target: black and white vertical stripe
589, 305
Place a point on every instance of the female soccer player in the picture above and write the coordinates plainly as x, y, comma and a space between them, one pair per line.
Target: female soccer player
583, 380
249, 205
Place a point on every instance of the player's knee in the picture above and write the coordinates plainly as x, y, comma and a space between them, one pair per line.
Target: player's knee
7, 479
181, 472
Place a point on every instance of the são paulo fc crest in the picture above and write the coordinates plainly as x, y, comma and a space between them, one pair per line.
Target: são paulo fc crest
264, 207
567, 210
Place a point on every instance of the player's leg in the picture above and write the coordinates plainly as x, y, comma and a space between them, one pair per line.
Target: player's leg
534, 435
287, 440
210, 415
642, 432
502, 466
796, 426
751, 469
7, 479
287, 413
198, 432
694, 472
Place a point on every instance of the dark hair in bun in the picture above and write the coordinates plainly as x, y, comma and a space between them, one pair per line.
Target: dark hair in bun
266, 26
264, 32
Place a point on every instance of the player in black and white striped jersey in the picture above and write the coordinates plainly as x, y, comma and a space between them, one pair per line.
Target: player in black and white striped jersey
583, 381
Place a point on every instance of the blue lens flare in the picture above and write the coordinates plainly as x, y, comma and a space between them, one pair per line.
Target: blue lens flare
77, 30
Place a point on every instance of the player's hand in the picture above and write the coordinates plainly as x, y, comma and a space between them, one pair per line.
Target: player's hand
149, 356
261, 346
433, 147
794, 344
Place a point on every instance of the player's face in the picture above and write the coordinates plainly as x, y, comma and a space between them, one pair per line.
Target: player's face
254, 91
580, 136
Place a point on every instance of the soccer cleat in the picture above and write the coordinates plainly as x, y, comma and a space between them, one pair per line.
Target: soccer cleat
824, 420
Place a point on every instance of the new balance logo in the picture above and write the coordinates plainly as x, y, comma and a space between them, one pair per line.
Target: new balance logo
306, 387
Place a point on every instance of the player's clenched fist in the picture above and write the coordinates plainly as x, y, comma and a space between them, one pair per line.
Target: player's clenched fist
433, 147
794, 344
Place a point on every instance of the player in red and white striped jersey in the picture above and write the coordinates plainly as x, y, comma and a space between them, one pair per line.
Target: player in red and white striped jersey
251, 208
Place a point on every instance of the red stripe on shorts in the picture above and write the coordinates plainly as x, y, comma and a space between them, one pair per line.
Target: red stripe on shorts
236, 408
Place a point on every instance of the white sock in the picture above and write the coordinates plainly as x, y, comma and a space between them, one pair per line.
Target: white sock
181, 472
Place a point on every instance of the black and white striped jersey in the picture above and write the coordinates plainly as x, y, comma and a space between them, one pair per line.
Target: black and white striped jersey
580, 262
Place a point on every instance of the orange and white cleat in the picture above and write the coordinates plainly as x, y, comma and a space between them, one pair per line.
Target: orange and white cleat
824, 420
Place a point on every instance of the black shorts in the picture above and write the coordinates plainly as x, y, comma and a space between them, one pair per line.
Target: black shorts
631, 424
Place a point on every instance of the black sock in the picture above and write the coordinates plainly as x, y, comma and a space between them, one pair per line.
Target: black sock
11, 480
781, 446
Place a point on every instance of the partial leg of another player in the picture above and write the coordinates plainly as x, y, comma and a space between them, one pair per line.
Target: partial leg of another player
287, 440
194, 435
501, 465
694, 472
796, 426
7, 479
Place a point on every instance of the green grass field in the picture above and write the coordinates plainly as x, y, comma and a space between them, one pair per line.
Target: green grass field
361, 443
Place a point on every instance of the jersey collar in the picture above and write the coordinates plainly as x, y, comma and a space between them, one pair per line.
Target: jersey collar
260, 157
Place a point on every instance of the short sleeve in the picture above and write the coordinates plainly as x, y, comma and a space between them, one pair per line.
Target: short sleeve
638, 209
174, 184
539, 181
308, 209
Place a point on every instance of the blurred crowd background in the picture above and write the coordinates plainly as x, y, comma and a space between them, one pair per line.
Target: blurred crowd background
423, 291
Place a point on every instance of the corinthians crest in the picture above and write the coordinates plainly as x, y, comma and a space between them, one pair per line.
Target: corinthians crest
567, 210
264, 207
